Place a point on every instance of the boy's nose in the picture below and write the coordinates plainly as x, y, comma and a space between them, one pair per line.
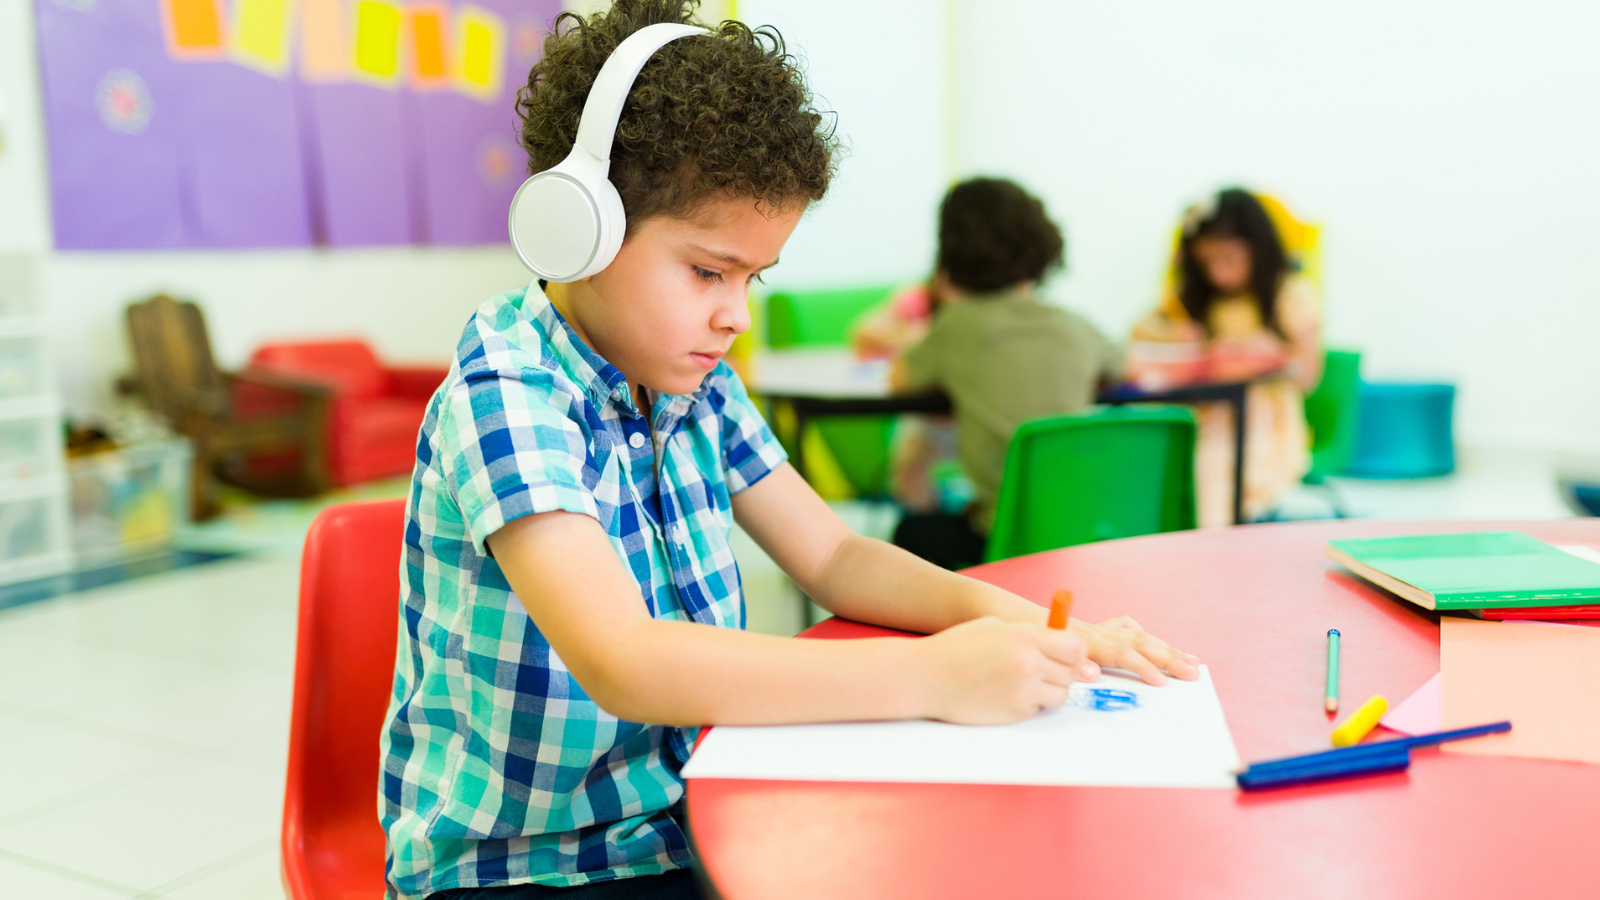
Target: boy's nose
734, 315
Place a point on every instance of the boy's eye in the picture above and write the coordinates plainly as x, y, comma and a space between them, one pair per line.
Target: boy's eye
706, 274
756, 277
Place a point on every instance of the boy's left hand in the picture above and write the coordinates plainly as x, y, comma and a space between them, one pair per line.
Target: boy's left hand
1120, 643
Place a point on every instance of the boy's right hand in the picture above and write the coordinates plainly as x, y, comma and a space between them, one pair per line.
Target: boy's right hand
989, 672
